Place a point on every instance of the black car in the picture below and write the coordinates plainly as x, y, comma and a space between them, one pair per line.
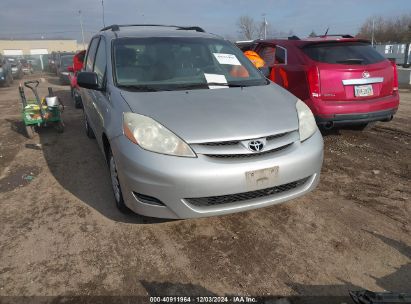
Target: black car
66, 61
6, 76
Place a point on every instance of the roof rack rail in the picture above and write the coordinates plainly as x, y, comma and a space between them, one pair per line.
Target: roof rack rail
333, 35
294, 37
116, 27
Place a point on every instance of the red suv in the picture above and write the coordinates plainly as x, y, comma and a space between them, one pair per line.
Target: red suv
342, 79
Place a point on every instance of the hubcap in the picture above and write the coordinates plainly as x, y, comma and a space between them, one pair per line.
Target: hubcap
114, 179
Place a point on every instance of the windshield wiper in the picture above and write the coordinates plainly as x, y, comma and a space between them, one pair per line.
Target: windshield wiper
138, 88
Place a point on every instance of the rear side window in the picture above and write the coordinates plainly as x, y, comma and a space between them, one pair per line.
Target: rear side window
343, 53
273, 55
268, 55
280, 55
91, 54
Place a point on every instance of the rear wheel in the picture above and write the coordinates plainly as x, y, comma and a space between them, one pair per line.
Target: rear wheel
77, 99
29, 131
60, 127
89, 131
115, 184
8, 81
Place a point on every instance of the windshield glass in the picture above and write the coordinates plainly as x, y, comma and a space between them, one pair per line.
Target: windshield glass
343, 53
164, 63
67, 61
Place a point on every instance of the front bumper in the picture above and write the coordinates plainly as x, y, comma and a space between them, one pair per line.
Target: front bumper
172, 180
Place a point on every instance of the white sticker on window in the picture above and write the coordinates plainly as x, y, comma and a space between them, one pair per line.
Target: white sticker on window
216, 81
226, 59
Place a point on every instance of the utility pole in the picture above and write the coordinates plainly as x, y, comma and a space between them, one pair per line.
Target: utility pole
82, 29
372, 32
265, 27
104, 21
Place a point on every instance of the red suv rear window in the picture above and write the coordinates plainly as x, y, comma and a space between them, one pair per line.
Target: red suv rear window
343, 53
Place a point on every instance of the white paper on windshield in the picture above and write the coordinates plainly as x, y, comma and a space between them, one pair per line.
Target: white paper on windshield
226, 59
216, 79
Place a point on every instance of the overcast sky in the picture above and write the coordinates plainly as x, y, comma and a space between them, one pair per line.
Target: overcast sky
60, 18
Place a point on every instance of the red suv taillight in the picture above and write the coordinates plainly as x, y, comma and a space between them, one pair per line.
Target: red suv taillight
395, 82
313, 76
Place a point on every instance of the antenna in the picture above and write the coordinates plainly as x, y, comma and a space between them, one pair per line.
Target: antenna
326, 32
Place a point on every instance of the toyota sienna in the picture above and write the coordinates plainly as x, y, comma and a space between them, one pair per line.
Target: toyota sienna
190, 128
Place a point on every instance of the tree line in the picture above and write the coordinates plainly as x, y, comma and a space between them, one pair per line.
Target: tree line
395, 29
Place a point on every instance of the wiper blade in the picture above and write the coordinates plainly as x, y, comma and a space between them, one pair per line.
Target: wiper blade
138, 88
231, 85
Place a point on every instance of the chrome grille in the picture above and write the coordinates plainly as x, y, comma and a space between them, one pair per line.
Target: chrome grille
248, 155
239, 148
236, 142
233, 198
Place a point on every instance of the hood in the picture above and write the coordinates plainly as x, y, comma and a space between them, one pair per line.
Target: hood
219, 115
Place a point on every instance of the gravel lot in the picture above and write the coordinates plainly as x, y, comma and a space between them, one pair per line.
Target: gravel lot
60, 233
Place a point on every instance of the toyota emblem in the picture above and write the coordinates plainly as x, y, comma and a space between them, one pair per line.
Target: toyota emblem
256, 145
365, 74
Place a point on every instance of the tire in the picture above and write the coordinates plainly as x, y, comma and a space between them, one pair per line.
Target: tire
78, 104
89, 131
29, 131
8, 81
115, 184
59, 127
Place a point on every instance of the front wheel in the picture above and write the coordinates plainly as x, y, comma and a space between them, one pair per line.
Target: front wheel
115, 184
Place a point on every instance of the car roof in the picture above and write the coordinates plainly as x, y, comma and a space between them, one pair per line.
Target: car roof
313, 40
145, 31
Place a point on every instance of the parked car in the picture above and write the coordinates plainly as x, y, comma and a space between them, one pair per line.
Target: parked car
16, 68
26, 66
6, 76
190, 128
58, 60
78, 60
66, 61
342, 79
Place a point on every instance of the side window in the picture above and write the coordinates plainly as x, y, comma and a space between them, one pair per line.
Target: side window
91, 53
101, 62
280, 55
268, 54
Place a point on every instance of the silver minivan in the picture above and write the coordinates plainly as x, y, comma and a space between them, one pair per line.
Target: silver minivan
190, 128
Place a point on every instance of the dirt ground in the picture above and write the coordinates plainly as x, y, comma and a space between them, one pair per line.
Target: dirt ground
60, 233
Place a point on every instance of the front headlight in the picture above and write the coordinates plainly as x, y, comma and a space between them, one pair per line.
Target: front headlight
307, 124
152, 136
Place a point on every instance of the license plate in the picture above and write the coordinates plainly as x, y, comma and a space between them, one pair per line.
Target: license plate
363, 90
260, 179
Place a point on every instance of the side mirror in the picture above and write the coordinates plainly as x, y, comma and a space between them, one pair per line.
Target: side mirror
70, 69
265, 71
88, 80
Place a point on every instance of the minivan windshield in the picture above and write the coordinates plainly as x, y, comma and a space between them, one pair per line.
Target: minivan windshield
180, 63
351, 53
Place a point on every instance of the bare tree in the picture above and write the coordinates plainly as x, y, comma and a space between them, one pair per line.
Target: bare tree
312, 34
395, 29
247, 27
250, 29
